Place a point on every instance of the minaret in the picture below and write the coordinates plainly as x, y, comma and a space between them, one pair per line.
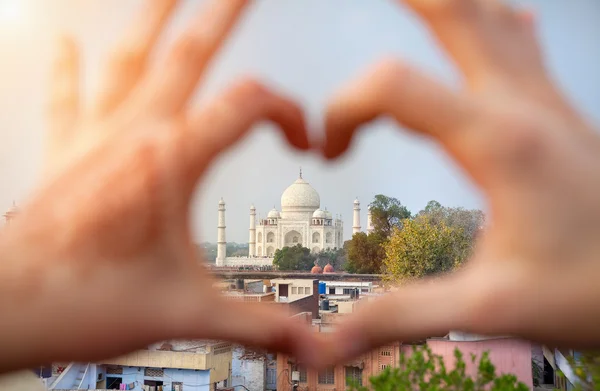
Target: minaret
11, 213
252, 237
356, 220
370, 227
221, 241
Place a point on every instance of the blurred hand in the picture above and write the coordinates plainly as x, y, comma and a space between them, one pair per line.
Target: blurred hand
535, 272
103, 251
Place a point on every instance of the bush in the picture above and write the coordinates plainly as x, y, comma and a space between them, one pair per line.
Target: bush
423, 370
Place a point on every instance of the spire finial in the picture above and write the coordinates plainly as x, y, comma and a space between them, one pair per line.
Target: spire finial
300, 172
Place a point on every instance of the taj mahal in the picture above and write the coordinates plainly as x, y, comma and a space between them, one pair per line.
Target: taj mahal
300, 221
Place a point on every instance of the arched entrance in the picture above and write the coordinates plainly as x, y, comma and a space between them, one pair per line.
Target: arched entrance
293, 238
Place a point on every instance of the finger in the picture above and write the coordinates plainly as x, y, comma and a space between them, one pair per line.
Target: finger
130, 57
486, 38
392, 88
230, 116
263, 326
64, 97
171, 86
415, 312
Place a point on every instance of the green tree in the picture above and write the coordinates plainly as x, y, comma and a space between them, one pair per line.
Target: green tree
587, 369
422, 248
294, 258
387, 213
423, 370
336, 257
469, 220
365, 253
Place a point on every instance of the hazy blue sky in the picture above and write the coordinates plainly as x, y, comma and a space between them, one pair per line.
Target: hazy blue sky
307, 48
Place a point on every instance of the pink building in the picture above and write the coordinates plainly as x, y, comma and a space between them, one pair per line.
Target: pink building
509, 356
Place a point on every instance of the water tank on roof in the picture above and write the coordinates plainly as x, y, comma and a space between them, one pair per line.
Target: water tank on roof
325, 305
322, 288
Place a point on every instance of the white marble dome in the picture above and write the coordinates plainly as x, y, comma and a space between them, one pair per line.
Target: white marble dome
319, 214
273, 214
300, 195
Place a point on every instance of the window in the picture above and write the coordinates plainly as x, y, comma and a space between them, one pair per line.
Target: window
295, 239
177, 386
270, 237
114, 370
327, 376
383, 367
259, 237
154, 372
303, 374
294, 290
386, 353
307, 290
221, 348
354, 375
347, 291
301, 290
365, 290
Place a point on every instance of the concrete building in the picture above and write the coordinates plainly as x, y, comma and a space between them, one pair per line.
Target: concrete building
507, 354
194, 365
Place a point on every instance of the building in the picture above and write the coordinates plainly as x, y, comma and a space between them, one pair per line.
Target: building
509, 355
301, 221
194, 365
253, 370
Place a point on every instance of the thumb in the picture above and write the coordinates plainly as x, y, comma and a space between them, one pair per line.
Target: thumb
416, 311
265, 326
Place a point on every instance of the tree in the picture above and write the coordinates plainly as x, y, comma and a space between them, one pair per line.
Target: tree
387, 213
294, 258
365, 253
336, 257
422, 248
470, 221
423, 370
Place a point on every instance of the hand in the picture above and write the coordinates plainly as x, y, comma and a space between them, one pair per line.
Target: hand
535, 272
103, 252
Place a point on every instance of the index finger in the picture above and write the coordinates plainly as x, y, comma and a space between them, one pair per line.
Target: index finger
172, 85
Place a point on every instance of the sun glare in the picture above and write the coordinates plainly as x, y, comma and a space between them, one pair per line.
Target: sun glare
11, 13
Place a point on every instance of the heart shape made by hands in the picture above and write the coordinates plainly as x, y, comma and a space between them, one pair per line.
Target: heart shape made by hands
110, 224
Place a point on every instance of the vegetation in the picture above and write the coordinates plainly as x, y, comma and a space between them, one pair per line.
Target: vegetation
209, 250
403, 246
387, 213
422, 248
365, 253
336, 257
423, 370
587, 369
294, 258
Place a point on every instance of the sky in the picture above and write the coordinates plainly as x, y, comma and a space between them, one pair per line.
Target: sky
304, 48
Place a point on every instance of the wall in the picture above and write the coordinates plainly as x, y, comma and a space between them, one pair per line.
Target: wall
296, 283
369, 362
247, 370
192, 380
508, 355
246, 261
306, 304
67, 378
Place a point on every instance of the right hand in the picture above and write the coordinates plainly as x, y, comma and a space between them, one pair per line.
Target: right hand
535, 272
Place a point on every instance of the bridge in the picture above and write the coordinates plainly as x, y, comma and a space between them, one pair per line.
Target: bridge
227, 274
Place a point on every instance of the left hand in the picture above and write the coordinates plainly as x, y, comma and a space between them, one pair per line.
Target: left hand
101, 260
